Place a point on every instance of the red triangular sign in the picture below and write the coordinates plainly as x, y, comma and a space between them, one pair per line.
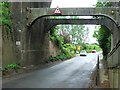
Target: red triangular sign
57, 11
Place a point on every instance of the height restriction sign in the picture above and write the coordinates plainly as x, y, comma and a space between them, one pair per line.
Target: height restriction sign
57, 11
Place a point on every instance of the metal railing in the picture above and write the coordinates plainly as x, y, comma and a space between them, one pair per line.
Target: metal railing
97, 73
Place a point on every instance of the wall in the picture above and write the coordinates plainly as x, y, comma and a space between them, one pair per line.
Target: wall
53, 49
37, 42
32, 49
0, 46
8, 48
114, 56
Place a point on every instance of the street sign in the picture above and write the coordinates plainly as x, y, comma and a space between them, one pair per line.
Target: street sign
57, 11
78, 48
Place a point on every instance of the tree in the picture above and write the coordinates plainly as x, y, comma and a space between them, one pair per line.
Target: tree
103, 36
103, 33
103, 4
75, 34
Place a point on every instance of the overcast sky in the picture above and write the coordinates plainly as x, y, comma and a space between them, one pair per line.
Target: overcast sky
72, 3
76, 4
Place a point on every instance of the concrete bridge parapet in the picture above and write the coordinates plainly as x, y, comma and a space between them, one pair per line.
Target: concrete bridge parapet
35, 13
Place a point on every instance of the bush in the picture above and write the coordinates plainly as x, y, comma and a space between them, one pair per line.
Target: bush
103, 36
90, 47
62, 56
67, 50
9, 67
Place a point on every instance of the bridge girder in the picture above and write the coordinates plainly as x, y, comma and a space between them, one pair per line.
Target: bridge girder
34, 14
49, 23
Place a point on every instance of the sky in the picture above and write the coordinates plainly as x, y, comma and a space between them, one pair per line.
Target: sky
76, 4
72, 3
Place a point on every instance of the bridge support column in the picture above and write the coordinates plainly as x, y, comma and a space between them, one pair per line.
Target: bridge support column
119, 50
114, 59
37, 43
20, 16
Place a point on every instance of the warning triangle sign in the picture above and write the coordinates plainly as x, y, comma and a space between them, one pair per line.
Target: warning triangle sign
57, 11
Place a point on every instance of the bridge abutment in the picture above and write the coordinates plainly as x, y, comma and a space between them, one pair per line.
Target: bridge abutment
37, 46
19, 13
114, 57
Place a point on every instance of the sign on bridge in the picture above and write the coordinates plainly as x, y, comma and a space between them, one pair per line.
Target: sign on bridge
57, 11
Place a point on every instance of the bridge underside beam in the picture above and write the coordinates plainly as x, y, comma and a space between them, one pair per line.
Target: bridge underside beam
49, 23
74, 21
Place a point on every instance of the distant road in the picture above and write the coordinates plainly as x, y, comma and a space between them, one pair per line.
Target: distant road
72, 73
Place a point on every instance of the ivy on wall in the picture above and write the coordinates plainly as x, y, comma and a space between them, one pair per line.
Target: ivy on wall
5, 18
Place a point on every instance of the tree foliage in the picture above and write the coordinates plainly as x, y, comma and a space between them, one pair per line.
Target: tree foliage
67, 49
89, 47
103, 4
104, 39
66, 36
102, 33
57, 39
75, 34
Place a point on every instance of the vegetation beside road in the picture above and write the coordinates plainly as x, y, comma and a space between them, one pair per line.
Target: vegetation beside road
15, 67
90, 47
103, 34
67, 49
7, 35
